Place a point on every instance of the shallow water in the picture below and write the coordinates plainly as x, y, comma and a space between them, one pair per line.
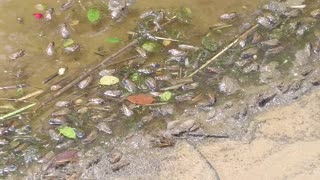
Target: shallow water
34, 35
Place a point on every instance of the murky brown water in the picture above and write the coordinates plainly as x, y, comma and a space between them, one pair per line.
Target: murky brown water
36, 65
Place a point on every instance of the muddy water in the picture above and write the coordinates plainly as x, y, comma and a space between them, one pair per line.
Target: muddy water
33, 36
36, 64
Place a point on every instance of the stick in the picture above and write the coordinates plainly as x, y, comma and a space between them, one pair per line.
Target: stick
30, 95
13, 87
214, 28
177, 83
17, 111
169, 39
84, 75
207, 135
225, 49
155, 104
123, 60
205, 160
173, 87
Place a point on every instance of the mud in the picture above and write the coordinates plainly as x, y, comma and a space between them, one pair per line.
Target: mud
281, 143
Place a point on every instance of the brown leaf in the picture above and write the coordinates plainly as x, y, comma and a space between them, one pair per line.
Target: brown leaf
141, 99
65, 157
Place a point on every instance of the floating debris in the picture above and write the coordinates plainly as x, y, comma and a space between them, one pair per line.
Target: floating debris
229, 16
64, 31
85, 83
50, 49
17, 54
67, 5
49, 14
72, 49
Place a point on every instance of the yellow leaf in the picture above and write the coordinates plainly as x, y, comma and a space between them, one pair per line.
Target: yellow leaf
109, 80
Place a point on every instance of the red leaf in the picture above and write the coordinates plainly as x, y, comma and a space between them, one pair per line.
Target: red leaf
38, 15
141, 99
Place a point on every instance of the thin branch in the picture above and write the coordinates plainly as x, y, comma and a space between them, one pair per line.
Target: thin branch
17, 111
36, 93
207, 135
13, 87
225, 49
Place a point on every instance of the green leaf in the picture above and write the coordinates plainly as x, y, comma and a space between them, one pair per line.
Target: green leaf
135, 77
20, 92
68, 42
109, 80
184, 14
151, 46
186, 11
113, 40
166, 96
208, 43
93, 15
41, 7
68, 132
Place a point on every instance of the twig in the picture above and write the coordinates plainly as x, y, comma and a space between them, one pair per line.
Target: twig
30, 95
168, 39
173, 87
299, 6
50, 78
207, 135
17, 111
225, 49
13, 87
204, 158
123, 60
178, 83
155, 104
8, 99
214, 28
86, 74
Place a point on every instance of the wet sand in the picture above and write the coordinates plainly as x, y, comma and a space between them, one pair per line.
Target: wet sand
281, 143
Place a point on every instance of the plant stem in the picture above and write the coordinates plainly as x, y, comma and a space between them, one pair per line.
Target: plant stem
17, 111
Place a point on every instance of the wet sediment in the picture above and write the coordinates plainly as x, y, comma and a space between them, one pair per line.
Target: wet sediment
275, 65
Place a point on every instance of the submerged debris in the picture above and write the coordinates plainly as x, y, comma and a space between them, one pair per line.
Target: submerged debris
49, 15
17, 54
229, 16
67, 5
50, 49
64, 31
152, 84
119, 8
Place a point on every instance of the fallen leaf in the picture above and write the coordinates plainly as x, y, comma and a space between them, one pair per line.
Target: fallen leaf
93, 15
141, 99
113, 40
109, 80
166, 42
41, 7
135, 77
38, 15
151, 46
68, 132
166, 96
65, 157
68, 42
